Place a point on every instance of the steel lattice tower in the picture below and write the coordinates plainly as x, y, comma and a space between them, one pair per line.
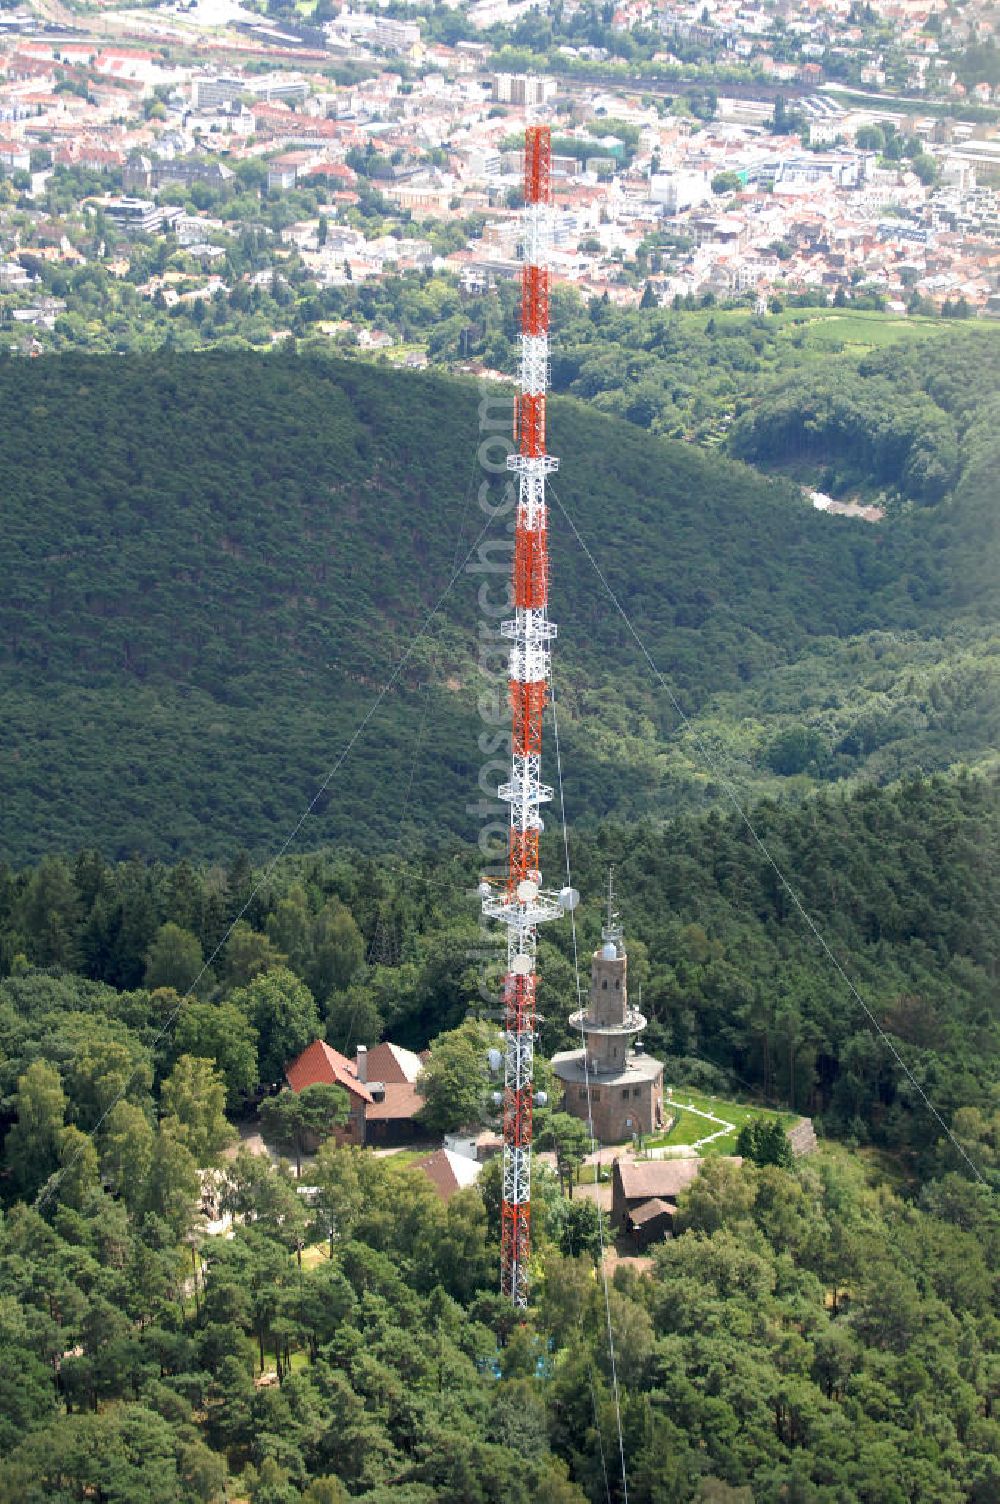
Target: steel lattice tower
521, 904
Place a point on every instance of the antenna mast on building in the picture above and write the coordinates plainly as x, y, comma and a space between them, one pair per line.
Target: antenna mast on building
613, 929
521, 904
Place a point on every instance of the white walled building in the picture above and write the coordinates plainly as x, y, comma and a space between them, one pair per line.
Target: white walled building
676, 192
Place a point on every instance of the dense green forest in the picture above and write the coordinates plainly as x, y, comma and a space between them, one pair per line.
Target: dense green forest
689, 371
826, 1332
900, 420
214, 563
808, 1337
904, 884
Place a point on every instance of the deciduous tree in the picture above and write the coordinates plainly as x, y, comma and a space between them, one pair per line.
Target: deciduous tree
281, 1009
456, 1078
223, 1033
33, 1144
296, 1120
192, 1102
174, 959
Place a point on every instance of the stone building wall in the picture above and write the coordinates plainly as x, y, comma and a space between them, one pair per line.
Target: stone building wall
620, 1109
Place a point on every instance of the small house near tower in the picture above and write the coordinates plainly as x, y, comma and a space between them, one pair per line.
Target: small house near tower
381, 1086
626, 1085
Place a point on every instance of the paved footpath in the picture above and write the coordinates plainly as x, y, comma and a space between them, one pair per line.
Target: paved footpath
608, 1153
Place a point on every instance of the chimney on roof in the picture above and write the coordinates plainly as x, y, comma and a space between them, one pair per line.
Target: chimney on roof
362, 1064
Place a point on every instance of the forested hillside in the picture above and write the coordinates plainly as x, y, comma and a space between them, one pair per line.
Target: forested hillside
904, 884
904, 419
214, 562
823, 1333
682, 372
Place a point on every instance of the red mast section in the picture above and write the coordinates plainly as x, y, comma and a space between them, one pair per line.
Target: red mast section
522, 906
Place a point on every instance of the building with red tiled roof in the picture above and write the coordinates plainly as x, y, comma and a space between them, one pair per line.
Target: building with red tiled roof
381, 1085
14, 156
336, 172
392, 1063
449, 1172
391, 1118
320, 1062
93, 158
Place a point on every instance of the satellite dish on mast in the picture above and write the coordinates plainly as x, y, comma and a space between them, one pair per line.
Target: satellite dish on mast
568, 899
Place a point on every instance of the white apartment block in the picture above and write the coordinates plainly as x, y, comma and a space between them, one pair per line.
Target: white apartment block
396, 36
678, 191
526, 89
271, 88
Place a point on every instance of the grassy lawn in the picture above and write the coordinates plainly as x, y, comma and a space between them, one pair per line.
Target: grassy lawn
689, 1127
864, 329
408, 1157
315, 1254
869, 331
399, 352
587, 1174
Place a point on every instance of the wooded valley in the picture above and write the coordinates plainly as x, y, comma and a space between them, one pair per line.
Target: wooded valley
215, 563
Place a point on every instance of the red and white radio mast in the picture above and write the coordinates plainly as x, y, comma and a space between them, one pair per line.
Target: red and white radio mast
521, 905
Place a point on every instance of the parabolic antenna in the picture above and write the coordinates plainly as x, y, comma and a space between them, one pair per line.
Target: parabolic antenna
568, 899
520, 966
527, 891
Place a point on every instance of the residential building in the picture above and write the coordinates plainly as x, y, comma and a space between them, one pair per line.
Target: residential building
644, 1196
43, 313
282, 172
139, 216
528, 90
13, 277
680, 191
392, 1073
320, 1062
14, 157
382, 1108
449, 1172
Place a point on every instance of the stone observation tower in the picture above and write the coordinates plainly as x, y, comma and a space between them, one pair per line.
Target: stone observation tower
626, 1085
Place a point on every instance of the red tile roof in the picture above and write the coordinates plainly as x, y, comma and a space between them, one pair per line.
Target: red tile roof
320, 1062
391, 1062
447, 1172
127, 54
338, 170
